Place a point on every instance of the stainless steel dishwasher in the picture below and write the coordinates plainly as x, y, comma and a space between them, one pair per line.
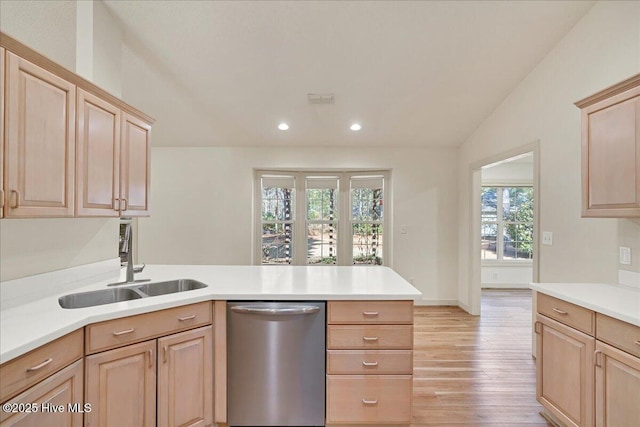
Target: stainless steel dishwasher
276, 363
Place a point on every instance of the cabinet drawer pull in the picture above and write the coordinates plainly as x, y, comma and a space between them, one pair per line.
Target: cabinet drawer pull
370, 338
365, 363
370, 313
557, 310
150, 358
126, 331
40, 366
182, 319
16, 205
637, 342
126, 204
164, 354
370, 402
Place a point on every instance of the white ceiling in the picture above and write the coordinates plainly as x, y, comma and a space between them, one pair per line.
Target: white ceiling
413, 73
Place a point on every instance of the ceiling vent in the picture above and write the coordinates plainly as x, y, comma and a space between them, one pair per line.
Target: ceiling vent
321, 98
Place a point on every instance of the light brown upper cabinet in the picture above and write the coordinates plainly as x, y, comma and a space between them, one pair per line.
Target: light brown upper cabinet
611, 151
113, 160
98, 157
40, 141
134, 166
45, 173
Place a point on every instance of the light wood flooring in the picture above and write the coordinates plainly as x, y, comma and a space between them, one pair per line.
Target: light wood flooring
476, 370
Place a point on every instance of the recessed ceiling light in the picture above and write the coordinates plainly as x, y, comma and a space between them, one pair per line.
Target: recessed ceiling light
356, 127
283, 126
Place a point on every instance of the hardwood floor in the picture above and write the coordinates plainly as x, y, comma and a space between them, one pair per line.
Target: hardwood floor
476, 370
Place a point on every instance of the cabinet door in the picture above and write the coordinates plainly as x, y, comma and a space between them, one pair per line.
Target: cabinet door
120, 385
58, 400
40, 142
98, 157
611, 157
134, 166
2, 201
185, 379
617, 388
564, 377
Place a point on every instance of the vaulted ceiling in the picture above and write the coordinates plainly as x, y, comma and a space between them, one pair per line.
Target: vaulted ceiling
412, 73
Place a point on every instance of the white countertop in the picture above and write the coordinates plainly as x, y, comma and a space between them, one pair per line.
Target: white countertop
28, 325
618, 301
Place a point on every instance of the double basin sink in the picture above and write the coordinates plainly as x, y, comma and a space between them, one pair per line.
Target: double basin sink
108, 296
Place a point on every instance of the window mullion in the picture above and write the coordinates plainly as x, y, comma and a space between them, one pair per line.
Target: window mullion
300, 222
500, 231
345, 252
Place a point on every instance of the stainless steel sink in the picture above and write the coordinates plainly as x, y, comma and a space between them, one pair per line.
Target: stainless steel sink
170, 287
108, 296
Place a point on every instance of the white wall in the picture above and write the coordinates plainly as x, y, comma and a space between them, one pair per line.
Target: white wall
202, 198
99, 46
33, 246
508, 173
506, 276
602, 49
46, 26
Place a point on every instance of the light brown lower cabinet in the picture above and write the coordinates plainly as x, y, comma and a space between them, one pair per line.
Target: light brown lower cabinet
185, 379
121, 383
53, 402
564, 382
369, 362
617, 387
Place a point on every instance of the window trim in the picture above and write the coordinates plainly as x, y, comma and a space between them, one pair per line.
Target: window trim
344, 220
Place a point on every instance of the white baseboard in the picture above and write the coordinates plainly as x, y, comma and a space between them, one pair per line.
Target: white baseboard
452, 302
505, 286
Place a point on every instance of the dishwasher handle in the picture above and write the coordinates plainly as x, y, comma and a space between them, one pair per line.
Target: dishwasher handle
282, 311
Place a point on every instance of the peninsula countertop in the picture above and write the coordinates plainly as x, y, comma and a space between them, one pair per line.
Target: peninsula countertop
39, 319
618, 301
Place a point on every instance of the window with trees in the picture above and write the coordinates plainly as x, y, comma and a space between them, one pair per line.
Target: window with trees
507, 223
321, 218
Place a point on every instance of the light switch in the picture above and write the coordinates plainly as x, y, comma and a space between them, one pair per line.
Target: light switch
547, 238
403, 229
625, 255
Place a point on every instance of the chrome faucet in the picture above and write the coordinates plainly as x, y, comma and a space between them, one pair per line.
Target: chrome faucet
127, 246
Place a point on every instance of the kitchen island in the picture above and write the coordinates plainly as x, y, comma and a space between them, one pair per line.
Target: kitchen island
130, 354
31, 316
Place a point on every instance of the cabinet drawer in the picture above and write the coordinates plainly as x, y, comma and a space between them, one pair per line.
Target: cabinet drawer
369, 399
617, 333
369, 336
370, 362
371, 312
118, 332
572, 315
23, 372
61, 389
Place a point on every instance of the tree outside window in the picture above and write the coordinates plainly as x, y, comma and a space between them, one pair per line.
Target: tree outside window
507, 212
